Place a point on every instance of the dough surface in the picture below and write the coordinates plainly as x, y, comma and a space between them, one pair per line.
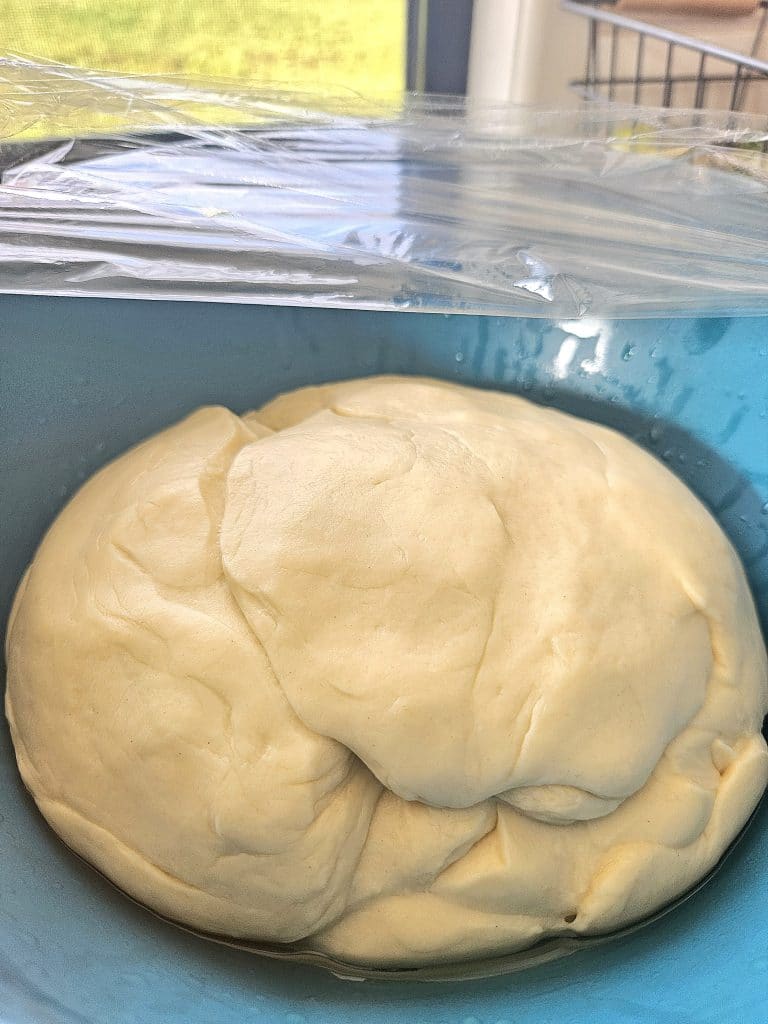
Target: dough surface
408, 671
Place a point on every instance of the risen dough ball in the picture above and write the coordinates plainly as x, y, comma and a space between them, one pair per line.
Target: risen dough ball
406, 670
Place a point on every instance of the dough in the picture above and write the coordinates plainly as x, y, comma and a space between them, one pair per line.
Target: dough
406, 670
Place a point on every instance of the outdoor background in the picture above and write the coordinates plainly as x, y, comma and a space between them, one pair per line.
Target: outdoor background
357, 44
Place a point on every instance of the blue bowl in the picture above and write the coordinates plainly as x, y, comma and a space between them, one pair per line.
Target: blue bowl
81, 379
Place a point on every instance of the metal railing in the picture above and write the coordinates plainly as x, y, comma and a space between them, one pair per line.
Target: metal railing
606, 75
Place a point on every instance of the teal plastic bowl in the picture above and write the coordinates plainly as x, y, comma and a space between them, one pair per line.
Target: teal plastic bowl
82, 379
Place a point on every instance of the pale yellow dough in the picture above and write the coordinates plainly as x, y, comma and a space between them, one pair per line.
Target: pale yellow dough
407, 670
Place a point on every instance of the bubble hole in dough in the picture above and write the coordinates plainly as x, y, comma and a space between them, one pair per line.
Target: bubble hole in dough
407, 670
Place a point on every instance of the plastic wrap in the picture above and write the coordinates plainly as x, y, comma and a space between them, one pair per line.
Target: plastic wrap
155, 188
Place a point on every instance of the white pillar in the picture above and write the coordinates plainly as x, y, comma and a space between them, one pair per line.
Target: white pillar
525, 51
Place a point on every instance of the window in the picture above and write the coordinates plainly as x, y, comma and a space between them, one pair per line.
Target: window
336, 44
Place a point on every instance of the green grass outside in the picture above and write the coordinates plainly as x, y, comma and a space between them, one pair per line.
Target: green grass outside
336, 44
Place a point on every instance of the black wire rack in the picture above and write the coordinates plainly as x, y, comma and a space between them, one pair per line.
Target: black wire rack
634, 61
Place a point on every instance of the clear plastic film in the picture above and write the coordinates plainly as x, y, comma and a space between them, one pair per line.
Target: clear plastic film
163, 188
